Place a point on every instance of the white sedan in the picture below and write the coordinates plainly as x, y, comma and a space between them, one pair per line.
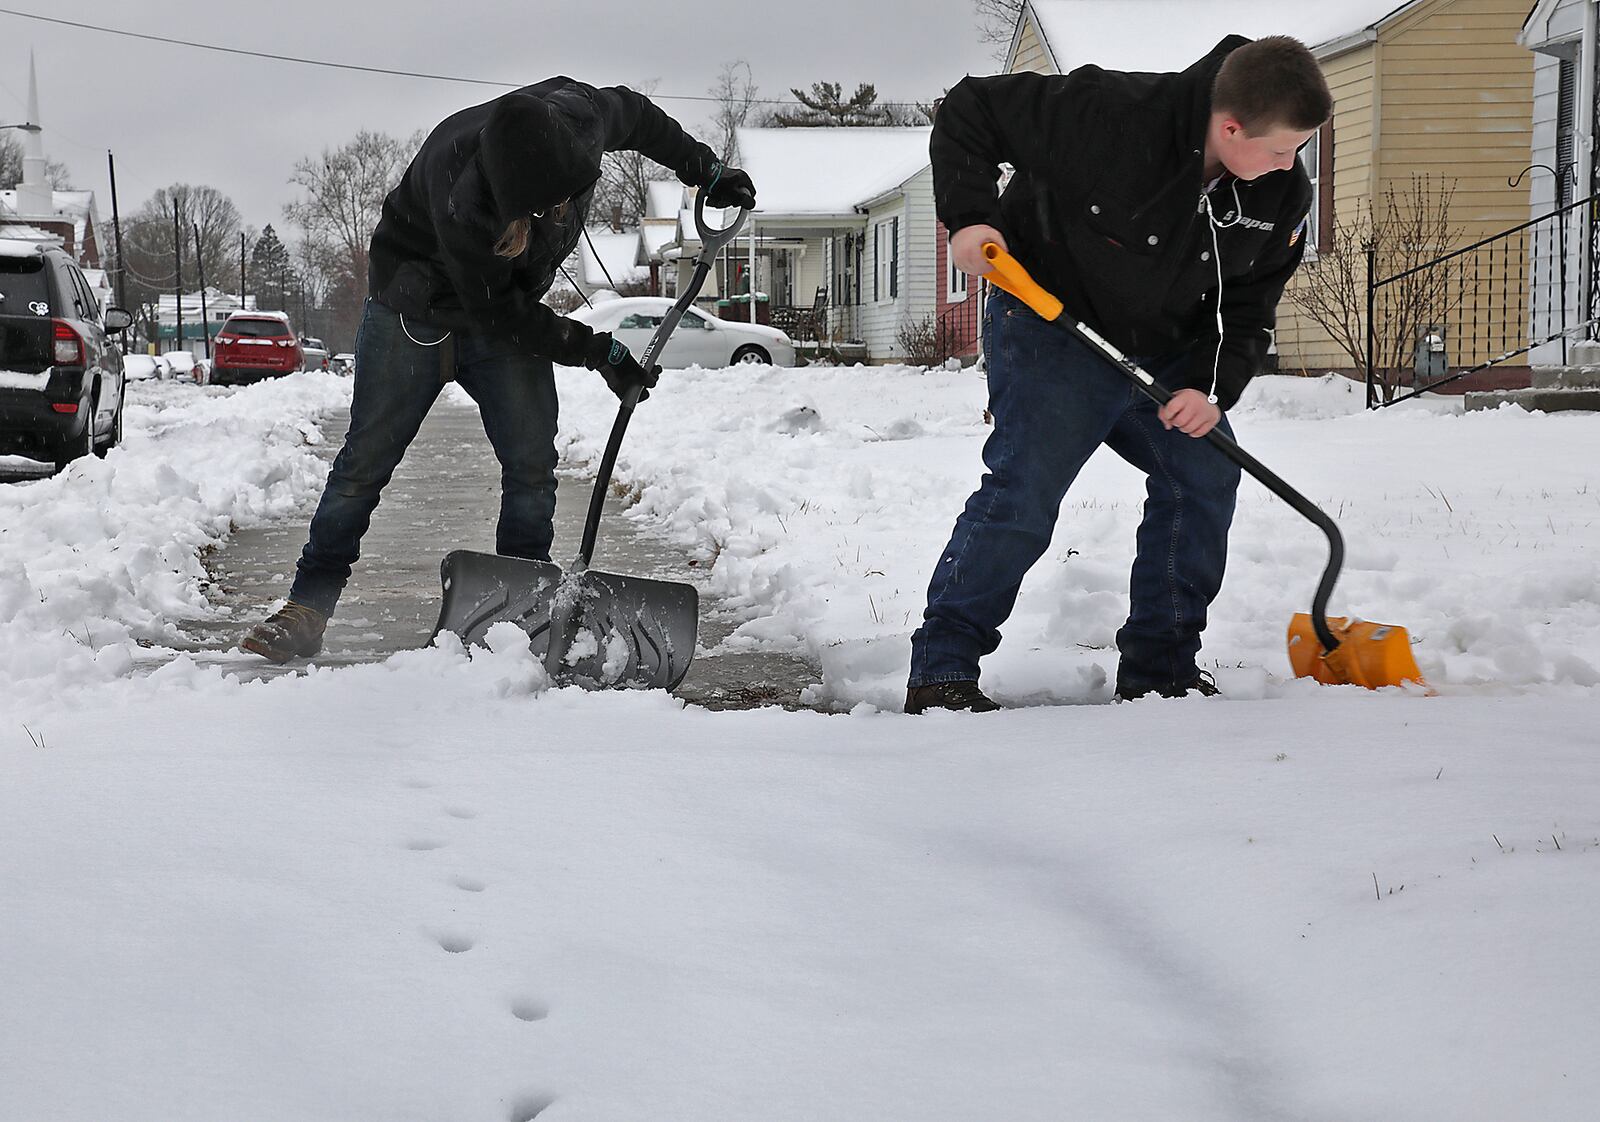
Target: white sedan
699, 339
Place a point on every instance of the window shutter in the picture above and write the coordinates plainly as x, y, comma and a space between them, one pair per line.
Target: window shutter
1324, 216
894, 258
1566, 130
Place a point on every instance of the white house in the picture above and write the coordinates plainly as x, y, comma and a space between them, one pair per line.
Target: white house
608, 259
1562, 36
203, 316
847, 211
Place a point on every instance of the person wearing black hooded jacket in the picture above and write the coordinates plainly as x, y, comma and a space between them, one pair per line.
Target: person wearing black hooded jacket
1167, 211
466, 247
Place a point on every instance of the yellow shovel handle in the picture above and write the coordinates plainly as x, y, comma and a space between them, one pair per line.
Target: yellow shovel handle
1009, 274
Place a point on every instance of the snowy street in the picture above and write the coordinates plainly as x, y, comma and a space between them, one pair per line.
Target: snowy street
430, 888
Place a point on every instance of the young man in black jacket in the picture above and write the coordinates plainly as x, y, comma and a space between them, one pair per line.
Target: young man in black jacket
466, 247
1167, 211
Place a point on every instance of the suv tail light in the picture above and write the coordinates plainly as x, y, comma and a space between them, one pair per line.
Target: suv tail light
69, 347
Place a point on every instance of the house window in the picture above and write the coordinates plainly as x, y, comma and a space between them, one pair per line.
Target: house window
886, 251
956, 290
1311, 160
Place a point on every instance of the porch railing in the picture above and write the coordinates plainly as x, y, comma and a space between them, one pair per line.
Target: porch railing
1484, 304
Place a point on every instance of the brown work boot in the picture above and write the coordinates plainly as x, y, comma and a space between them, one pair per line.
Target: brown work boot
293, 631
963, 696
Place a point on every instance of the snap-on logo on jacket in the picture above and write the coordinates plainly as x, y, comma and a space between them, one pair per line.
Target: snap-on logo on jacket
1248, 223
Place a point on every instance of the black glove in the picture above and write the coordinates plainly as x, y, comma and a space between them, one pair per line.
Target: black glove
730, 187
723, 186
618, 367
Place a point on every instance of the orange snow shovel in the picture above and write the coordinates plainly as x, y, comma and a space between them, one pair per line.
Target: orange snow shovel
1335, 652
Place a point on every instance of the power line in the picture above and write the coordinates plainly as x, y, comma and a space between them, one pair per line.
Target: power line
379, 69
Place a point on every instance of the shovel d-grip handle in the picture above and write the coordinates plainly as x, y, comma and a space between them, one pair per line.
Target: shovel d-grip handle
1007, 273
712, 241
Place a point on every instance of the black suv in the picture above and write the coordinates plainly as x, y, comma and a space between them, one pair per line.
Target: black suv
60, 376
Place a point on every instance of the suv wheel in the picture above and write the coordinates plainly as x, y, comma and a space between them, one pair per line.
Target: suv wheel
78, 446
116, 435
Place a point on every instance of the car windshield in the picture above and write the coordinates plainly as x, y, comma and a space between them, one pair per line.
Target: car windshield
256, 328
22, 291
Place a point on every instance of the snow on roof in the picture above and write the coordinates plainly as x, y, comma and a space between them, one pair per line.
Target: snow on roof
1168, 35
828, 170
656, 235
24, 241
76, 203
619, 253
665, 198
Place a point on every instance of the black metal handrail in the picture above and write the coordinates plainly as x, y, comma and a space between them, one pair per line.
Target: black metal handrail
1497, 314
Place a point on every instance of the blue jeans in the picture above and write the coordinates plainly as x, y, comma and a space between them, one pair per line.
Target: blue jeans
1055, 401
400, 369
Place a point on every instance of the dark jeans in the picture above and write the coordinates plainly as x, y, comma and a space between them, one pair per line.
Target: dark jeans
1055, 401
398, 377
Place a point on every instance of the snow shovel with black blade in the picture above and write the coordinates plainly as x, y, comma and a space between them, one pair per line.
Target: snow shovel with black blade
590, 628
1334, 652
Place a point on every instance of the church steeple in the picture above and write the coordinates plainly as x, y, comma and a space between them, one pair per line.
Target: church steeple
35, 197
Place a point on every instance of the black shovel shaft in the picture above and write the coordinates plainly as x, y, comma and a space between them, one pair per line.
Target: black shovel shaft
711, 243
1225, 444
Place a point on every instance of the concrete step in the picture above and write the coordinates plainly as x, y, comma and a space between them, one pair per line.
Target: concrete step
1538, 400
1566, 377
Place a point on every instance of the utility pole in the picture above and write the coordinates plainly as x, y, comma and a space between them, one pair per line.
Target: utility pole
116, 229
241, 270
200, 260
177, 278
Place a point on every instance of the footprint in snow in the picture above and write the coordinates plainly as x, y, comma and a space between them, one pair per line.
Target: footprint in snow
529, 1009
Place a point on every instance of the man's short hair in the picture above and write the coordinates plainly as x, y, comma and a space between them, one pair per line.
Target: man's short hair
1273, 83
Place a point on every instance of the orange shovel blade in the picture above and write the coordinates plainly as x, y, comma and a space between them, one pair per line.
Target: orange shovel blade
1373, 655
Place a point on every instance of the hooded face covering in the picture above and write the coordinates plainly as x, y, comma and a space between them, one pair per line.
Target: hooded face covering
533, 158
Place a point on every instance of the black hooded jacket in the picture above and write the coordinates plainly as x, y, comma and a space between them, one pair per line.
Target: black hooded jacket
432, 255
1105, 209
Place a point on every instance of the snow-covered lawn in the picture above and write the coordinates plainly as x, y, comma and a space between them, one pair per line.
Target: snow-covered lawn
431, 889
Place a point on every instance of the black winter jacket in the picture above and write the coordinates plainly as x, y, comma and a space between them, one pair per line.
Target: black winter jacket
432, 255
1105, 209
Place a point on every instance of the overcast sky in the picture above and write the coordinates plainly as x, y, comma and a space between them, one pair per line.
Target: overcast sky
175, 114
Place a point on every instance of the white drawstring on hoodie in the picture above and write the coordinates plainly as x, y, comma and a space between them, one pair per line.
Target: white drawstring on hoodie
1214, 224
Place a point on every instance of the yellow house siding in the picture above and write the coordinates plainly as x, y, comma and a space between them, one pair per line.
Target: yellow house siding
1302, 344
1446, 92
1031, 55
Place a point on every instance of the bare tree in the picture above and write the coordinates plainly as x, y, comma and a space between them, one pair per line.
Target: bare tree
997, 22
1410, 228
735, 91
11, 153
344, 189
625, 179
148, 266
826, 106
930, 341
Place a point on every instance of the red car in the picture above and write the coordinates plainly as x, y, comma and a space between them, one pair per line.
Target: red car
255, 345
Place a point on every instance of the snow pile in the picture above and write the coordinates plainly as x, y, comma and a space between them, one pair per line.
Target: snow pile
106, 555
822, 496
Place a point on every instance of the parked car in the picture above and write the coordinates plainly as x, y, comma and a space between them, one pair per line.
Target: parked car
141, 368
316, 354
61, 378
700, 340
343, 363
255, 345
186, 366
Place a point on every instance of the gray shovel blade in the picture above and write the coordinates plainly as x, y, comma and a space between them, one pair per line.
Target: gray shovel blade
623, 632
